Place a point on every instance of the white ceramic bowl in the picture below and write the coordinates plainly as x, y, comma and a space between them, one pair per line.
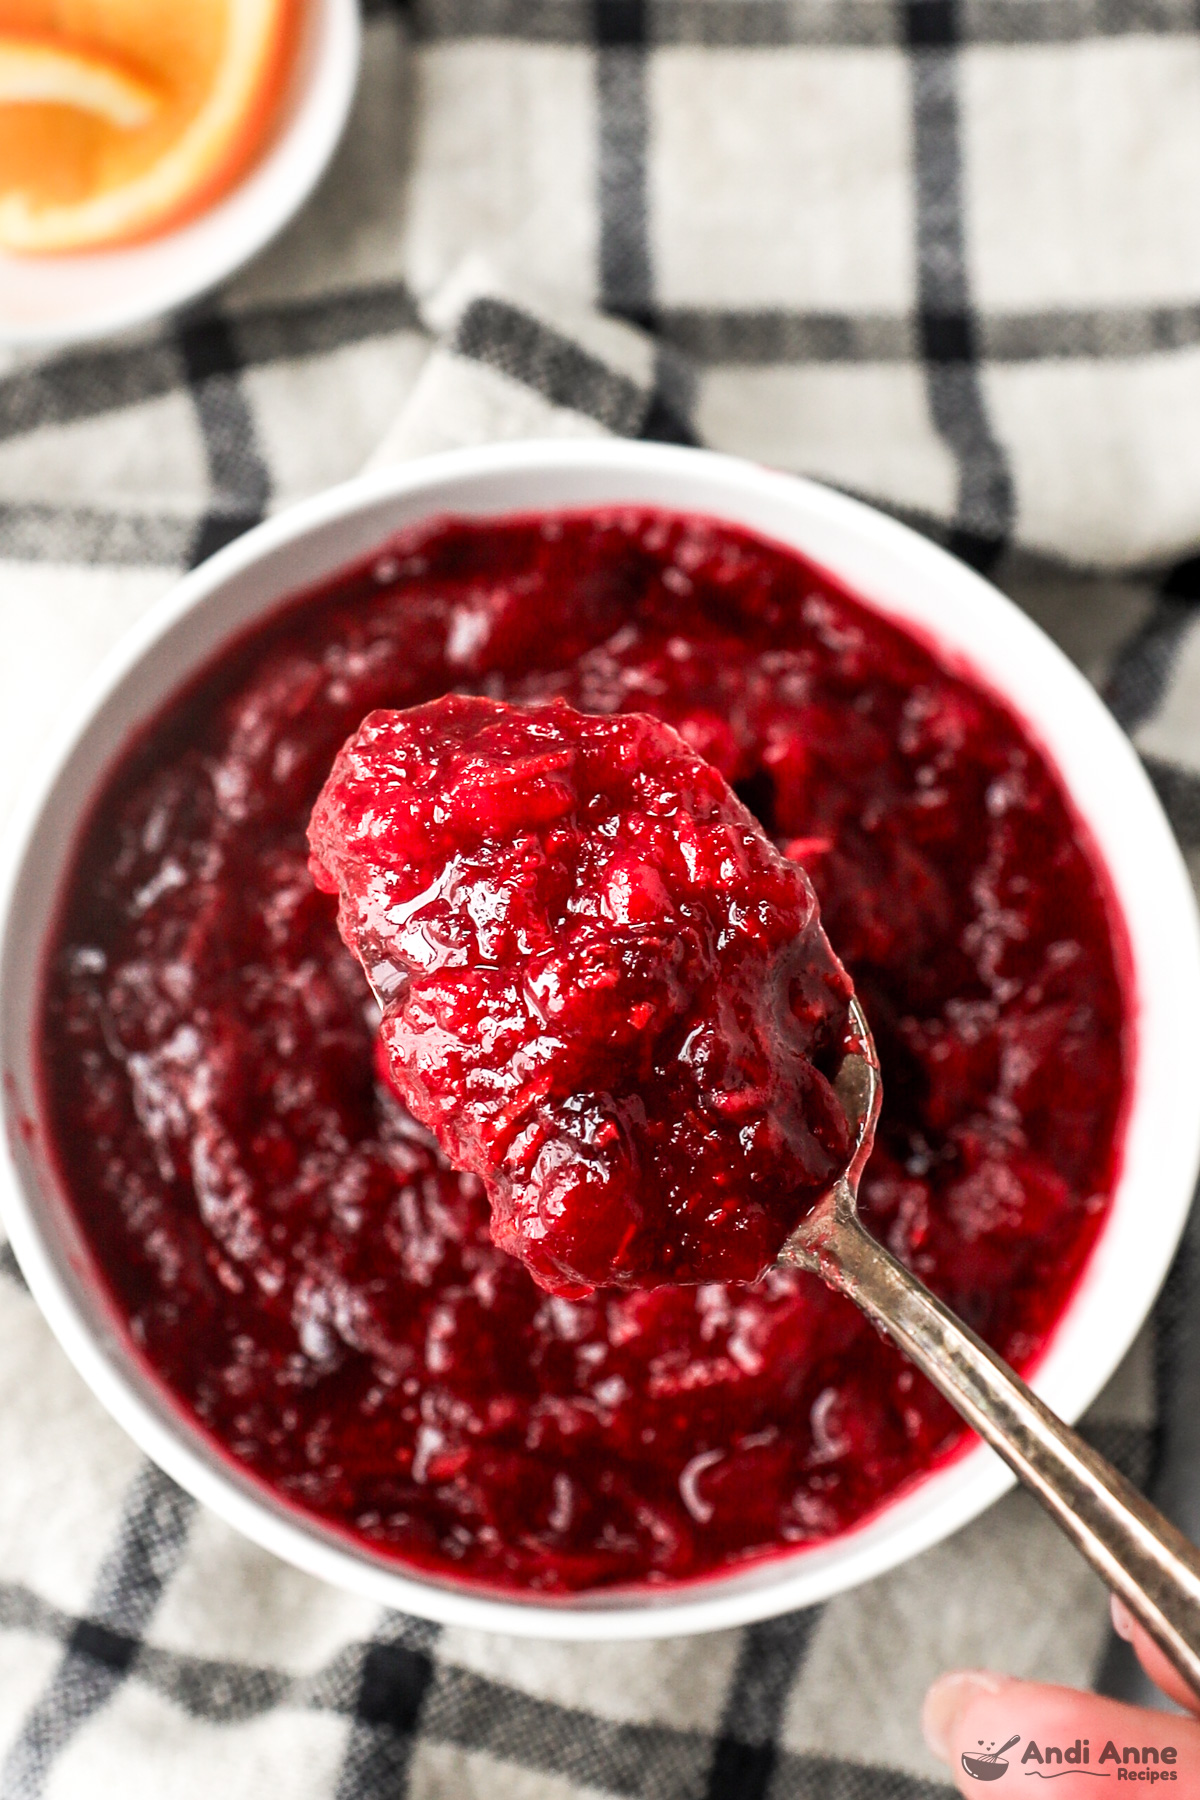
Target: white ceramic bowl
906, 578
51, 300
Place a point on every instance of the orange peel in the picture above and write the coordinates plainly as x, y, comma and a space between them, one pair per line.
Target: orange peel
40, 72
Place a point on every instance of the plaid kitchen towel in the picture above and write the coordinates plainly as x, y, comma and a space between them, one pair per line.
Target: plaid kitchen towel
944, 255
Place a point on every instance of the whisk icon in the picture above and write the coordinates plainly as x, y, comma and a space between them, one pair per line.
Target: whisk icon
989, 1766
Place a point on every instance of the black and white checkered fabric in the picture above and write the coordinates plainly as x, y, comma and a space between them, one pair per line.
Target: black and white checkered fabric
943, 253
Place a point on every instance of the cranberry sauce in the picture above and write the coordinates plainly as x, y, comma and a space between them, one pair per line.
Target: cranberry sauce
304, 1269
604, 990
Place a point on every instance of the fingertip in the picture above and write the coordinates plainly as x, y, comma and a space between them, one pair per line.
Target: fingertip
1122, 1618
946, 1703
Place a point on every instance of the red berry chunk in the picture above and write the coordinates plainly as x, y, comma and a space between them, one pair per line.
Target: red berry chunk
605, 991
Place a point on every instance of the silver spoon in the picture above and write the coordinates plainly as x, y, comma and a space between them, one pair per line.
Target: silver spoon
1139, 1553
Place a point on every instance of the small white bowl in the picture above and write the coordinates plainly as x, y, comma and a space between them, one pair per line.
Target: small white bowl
56, 300
906, 578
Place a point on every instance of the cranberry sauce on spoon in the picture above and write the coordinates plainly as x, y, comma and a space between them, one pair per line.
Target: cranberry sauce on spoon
604, 990
294, 1255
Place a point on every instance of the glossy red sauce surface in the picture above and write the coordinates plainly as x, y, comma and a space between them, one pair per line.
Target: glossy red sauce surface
604, 990
298, 1261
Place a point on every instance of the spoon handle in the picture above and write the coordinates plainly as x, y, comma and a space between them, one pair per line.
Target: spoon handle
1138, 1552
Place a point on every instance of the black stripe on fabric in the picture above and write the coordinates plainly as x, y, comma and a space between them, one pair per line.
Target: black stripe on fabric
397, 1669
747, 1748
113, 1650
625, 278
1176, 1476
38, 533
502, 336
1130, 1448
1141, 670
619, 24
769, 24
316, 326
828, 1778
23, 1610
1120, 1676
394, 1680
64, 389
646, 1762
672, 410
1100, 333
984, 507
85, 384
10, 1268
101, 1648
219, 526
1179, 791
1183, 581
239, 479
566, 22
754, 337
1071, 21
229, 1693
1174, 1482
470, 1712
772, 24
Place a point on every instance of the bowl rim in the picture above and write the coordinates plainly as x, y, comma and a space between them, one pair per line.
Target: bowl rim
866, 548
172, 268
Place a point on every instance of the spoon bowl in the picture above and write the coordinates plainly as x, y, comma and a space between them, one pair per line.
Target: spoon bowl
859, 1087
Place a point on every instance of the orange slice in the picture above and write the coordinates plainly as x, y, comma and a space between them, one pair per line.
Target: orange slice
119, 118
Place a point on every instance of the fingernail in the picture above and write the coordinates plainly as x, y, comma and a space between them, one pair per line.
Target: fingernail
947, 1701
1122, 1619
